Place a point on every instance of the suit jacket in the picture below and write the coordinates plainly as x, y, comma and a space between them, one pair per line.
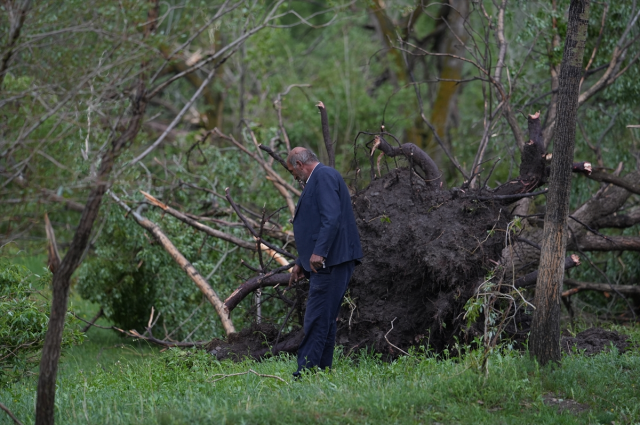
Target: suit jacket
323, 222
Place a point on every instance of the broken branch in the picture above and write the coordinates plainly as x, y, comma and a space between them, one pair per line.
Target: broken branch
191, 271
324, 120
203, 228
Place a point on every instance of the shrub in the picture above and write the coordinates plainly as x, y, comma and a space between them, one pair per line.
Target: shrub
24, 320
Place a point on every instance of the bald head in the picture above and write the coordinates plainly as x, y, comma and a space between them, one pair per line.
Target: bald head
301, 162
302, 155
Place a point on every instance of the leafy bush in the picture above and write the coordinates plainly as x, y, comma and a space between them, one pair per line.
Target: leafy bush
24, 320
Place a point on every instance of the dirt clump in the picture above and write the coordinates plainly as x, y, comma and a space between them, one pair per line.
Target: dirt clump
426, 250
595, 340
254, 341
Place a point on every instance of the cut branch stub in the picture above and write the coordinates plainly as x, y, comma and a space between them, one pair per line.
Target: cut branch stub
533, 168
533, 164
415, 155
324, 119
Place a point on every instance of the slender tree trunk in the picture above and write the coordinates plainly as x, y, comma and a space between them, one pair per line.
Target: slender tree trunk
544, 342
450, 69
46, 393
16, 19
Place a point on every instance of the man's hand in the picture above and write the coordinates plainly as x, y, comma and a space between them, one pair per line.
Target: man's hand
296, 274
316, 262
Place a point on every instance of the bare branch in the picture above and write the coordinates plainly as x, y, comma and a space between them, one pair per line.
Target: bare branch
203, 228
253, 232
16, 23
11, 415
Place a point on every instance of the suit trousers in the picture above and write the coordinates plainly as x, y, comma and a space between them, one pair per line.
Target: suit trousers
326, 291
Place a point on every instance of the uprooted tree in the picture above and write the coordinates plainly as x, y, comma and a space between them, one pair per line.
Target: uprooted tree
440, 263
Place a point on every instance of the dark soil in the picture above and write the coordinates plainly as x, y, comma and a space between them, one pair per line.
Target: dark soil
594, 340
564, 404
425, 253
254, 342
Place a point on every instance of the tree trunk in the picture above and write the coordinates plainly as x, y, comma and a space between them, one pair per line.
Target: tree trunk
450, 71
544, 342
46, 392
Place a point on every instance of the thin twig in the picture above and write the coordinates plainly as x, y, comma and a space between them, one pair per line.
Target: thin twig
6, 409
389, 342
245, 373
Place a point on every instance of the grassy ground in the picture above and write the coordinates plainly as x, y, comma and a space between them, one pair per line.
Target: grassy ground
108, 380
111, 380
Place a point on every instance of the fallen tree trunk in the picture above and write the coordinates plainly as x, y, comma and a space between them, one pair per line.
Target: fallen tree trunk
601, 287
191, 271
608, 243
601, 176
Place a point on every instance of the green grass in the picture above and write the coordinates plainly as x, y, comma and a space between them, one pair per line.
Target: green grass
108, 380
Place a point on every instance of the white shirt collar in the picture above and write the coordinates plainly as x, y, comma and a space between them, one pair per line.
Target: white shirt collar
314, 168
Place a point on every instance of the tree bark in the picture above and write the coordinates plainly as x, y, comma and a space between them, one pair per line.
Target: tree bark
544, 342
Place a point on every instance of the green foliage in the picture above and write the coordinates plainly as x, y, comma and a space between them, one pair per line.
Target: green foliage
135, 385
23, 321
129, 272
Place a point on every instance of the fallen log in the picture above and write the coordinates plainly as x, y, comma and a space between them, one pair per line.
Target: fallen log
601, 287
608, 243
191, 271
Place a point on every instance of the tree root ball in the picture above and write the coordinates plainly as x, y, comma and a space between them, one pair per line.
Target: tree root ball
426, 251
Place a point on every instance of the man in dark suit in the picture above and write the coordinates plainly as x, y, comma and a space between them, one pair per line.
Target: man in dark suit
328, 247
